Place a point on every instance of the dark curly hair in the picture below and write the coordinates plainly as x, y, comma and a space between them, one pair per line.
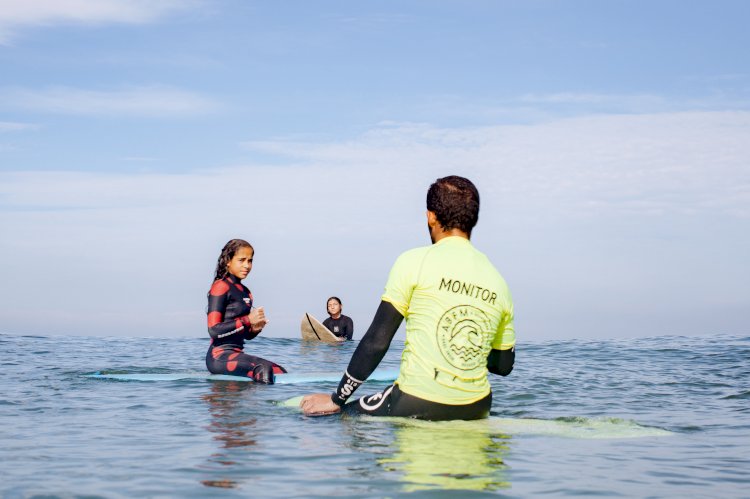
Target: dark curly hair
227, 253
455, 202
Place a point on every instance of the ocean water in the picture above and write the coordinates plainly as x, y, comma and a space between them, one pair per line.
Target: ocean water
652, 417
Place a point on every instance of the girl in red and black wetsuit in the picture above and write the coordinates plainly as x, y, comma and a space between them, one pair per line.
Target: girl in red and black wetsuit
232, 318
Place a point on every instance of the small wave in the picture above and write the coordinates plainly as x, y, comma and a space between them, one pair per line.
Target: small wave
740, 396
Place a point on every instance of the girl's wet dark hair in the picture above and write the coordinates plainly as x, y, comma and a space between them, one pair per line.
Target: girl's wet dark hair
227, 253
333, 298
455, 202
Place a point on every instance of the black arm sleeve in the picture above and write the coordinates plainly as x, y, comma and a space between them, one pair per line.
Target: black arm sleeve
349, 329
375, 342
370, 351
501, 361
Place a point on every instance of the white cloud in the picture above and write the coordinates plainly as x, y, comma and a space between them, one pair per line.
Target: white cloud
679, 163
18, 14
654, 163
8, 126
132, 101
533, 108
604, 225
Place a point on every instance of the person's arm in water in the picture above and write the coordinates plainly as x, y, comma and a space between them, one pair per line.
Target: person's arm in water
501, 361
366, 357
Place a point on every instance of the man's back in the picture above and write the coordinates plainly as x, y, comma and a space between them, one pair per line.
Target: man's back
457, 307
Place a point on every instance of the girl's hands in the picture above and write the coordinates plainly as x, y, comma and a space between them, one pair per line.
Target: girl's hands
257, 318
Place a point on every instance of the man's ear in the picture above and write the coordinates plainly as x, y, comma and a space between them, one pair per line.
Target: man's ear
432, 220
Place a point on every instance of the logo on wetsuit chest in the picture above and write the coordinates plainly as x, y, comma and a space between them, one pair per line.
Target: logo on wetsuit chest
463, 335
247, 301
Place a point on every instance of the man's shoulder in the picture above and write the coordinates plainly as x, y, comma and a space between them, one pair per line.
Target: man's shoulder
414, 253
463, 256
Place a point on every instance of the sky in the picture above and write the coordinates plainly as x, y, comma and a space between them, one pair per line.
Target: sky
609, 141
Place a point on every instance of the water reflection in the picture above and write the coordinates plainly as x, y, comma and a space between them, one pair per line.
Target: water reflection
325, 356
452, 455
230, 427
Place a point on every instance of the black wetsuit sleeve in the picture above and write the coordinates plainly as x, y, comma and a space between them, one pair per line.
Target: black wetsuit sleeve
349, 329
501, 361
370, 351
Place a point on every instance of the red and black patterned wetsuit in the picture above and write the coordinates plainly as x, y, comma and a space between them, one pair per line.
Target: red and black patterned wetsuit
229, 302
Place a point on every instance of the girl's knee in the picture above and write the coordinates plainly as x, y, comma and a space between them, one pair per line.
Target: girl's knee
264, 373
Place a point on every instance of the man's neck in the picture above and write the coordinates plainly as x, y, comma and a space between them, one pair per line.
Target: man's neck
438, 234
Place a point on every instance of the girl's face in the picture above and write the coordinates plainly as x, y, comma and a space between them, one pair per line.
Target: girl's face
242, 263
334, 307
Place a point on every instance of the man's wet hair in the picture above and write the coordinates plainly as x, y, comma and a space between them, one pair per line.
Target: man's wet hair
455, 202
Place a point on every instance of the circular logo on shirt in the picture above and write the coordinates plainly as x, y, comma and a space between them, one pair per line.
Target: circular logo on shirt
463, 335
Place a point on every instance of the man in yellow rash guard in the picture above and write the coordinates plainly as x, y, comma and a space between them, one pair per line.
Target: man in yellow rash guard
459, 323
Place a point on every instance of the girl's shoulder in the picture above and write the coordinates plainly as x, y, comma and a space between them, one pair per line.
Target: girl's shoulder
219, 287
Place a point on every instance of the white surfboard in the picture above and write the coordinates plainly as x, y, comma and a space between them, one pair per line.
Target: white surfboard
312, 330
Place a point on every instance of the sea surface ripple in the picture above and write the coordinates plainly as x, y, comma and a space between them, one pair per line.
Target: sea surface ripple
650, 417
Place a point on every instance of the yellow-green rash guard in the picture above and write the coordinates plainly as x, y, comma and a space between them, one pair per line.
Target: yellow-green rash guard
457, 308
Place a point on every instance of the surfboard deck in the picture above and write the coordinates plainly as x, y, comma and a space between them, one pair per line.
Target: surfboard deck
313, 330
280, 379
